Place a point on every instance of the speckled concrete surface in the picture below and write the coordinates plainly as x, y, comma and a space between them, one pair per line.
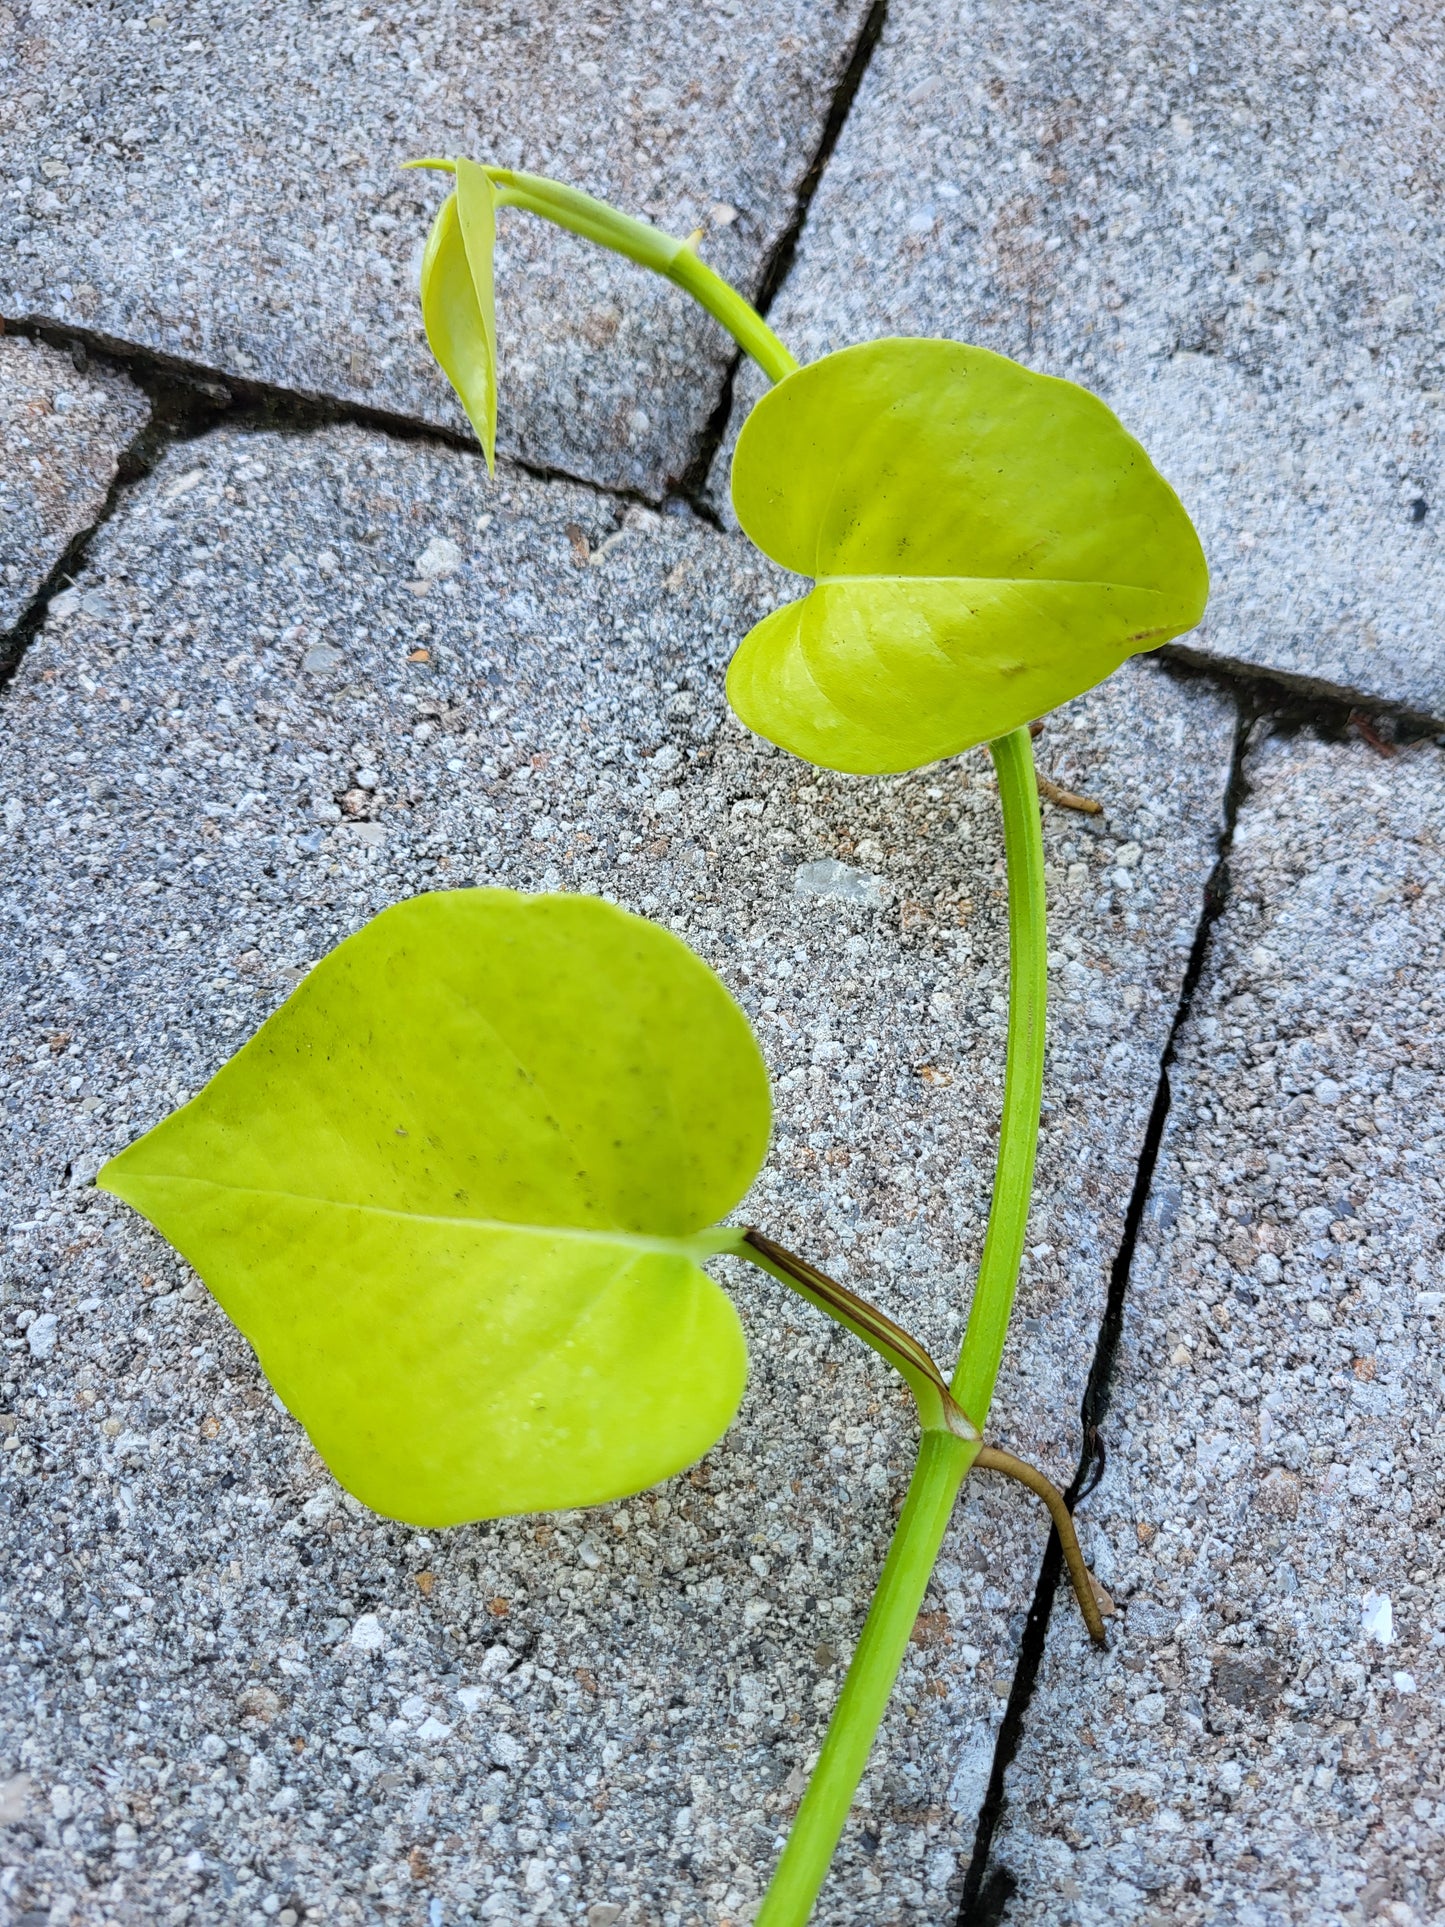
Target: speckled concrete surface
1268, 1746
222, 184
1227, 221
324, 672
61, 434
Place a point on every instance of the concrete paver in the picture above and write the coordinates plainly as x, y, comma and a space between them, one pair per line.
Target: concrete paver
320, 673
223, 186
1225, 220
1267, 1744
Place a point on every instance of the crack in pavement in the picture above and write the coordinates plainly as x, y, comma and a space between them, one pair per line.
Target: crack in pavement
215, 395
778, 266
988, 1888
1298, 697
133, 463
190, 400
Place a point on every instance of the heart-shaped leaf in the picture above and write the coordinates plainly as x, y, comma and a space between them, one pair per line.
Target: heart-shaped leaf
455, 1193
458, 298
986, 543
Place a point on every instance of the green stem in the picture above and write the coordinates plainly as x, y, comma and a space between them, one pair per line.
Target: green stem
677, 261
1023, 1082
943, 1460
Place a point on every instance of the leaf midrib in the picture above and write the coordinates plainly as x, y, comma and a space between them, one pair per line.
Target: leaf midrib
1008, 581
694, 1247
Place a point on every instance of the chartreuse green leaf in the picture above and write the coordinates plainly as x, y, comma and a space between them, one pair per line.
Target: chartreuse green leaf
458, 298
985, 543
456, 1192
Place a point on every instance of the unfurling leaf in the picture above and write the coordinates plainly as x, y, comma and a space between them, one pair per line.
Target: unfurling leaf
458, 300
986, 543
456, 1190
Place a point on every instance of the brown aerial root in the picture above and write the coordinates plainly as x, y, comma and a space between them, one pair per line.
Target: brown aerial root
1381, 745
991, 1459
1069, 799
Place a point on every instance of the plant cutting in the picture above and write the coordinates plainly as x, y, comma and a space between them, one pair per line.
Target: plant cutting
460, 1189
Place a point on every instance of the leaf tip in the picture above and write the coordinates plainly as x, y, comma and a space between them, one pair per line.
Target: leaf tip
111, 1176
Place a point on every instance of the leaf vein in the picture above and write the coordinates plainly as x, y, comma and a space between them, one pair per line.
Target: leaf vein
693, 1247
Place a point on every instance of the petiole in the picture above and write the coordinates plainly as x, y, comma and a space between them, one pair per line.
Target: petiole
675, 260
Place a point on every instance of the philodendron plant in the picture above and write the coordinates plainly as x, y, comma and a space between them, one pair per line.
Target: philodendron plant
460, 1190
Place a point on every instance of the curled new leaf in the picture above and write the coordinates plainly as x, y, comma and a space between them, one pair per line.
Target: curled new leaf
456, 1190
985, 542
458, 300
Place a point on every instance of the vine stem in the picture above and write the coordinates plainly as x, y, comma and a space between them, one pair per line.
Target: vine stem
944, 1460
1023, 1085
946, 1454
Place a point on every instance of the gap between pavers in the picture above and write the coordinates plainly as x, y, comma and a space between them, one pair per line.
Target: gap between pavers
1228, 224
62, 434
1270, 1747
989, 1884
226, 189
214, 770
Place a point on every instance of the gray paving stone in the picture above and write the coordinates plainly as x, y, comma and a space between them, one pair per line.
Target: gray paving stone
61, 434
223, 185
1226, 220
229, 1684
1269, 1748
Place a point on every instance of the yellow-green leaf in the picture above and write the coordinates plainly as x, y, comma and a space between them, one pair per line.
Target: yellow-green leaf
458, 299
985, 543
455, 1192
